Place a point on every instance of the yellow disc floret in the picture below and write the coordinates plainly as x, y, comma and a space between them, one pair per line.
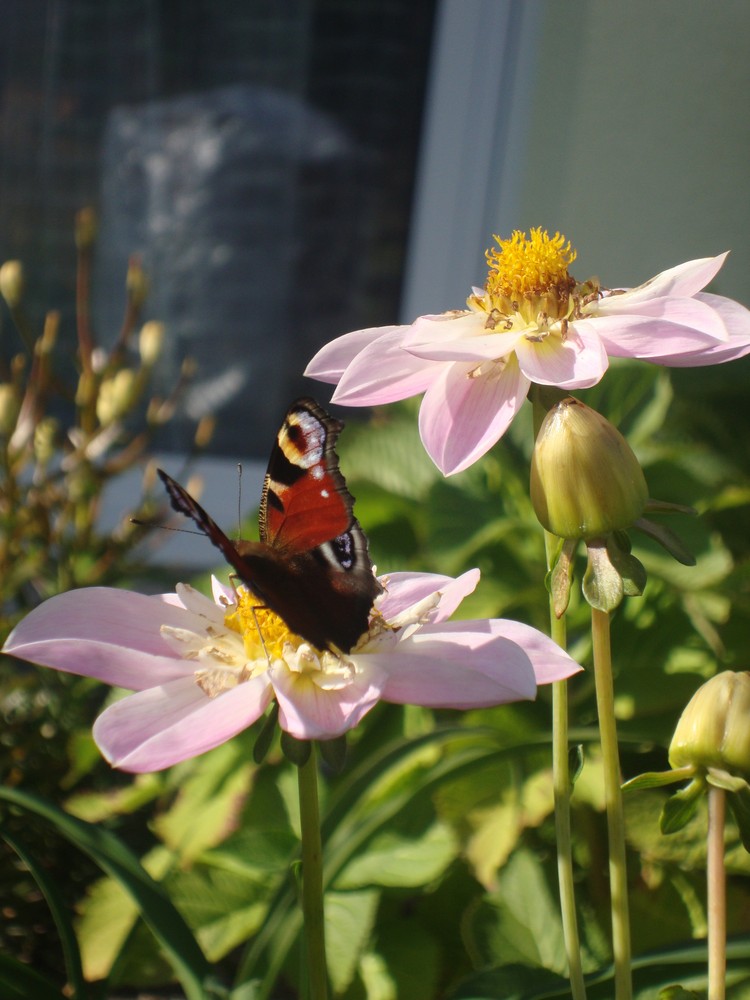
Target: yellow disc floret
259, 626
524, 266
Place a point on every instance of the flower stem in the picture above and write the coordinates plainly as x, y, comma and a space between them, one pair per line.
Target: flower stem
561, 779
618, 877
312, 878
562, 791
717, 902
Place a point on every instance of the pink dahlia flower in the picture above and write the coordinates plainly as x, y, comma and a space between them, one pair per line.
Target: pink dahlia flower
201, 673
532, 322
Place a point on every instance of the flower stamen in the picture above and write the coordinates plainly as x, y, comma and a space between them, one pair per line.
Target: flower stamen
525, 266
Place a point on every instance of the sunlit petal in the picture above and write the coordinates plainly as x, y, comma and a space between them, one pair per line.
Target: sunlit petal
332, 360
462, 416
164, 725
101, 632
384, 372
577, 362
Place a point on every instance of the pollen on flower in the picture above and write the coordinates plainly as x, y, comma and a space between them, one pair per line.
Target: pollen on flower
253, 620
523, 265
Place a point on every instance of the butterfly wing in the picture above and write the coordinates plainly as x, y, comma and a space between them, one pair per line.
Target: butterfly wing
312, 565
183, 503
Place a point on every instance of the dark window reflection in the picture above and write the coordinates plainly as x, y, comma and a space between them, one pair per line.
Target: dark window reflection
259, 156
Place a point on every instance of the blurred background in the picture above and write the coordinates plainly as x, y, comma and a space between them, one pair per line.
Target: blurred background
288, 171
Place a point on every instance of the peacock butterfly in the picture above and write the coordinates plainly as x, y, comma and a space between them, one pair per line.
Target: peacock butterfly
311, 565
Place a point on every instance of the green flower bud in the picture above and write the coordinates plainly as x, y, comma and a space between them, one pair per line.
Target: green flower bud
45, 438
10, 404
714, 729
12, 283
116, 396
136, 282
150, 342
585, 480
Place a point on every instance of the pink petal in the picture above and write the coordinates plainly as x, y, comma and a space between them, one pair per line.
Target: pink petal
458, 665
332, 360
682, 280
404, 590
691, 313
106, 633
473, 664
577, 362
308, 712
154, 729
384, 372
461, 416
550, 662
736, 319
458, 337
647, 338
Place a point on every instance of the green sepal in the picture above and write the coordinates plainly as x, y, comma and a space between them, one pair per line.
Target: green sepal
723, 779
560, 577
602, 584
575, 763
631, 570
680, 808
265, 736
333, 753
296, 751
656, 779
667, 539
739, 803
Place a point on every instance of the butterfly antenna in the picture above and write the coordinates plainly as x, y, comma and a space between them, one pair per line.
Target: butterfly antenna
163, 527
239, 500
260, 636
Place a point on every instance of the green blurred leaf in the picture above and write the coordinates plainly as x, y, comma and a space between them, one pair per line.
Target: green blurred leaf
22, 982
680, 808
394, 859
59, 908
166, 923
349, 920
520, 922
206, 808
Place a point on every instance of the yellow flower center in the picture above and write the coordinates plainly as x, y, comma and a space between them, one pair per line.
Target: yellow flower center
525, 266
260, 628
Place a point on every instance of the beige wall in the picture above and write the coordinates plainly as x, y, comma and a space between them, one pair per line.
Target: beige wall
638, 146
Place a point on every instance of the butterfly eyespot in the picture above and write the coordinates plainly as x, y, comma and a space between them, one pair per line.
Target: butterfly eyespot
325, 494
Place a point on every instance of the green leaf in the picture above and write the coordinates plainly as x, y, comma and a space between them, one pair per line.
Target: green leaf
166, 923
60, 915
521, 921
408, 962
205, 807
394, 859
349, 919
512, 982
